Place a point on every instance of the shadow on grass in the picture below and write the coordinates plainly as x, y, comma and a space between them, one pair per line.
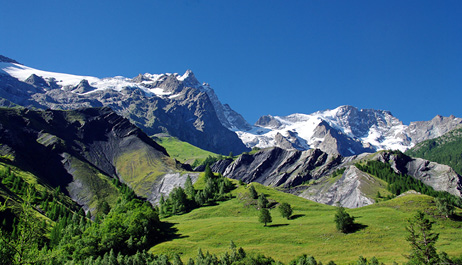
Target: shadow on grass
296, 216
356, 227
456, 217
277, 225
169, 232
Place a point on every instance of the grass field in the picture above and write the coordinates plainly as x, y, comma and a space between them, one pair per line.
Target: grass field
182, 151
312, 230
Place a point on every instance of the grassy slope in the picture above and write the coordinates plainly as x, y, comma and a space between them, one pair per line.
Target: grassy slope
140, 168
312, 232
182, 151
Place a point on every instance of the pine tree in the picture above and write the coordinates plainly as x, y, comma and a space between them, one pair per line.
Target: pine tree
422, 240
445, 207
189, 188
286, 210
262, 201
253, 192
265, 216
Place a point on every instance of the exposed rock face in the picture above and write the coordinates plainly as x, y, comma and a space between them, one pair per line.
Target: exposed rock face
83, 87
345, 130
346, 191
166, 103
336, 142
440, 177
5, 59
280, 167
314, 169
268, 121
167, 184
81, 150
423, 130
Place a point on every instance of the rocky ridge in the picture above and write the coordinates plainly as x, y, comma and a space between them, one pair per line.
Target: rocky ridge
166, 103
345, 130
311, 174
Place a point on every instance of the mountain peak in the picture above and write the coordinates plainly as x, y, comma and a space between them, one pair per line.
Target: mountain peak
189, 79
4, 59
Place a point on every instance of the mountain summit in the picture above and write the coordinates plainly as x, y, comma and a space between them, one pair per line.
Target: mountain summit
181, 106
157, 103
345, 130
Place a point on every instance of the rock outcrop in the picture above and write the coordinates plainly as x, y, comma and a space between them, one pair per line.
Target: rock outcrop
313, 174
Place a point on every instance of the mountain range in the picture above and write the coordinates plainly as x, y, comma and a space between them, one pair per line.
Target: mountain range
166, 103
297, 150
183, 107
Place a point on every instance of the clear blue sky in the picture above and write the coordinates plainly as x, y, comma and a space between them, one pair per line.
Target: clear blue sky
261, 57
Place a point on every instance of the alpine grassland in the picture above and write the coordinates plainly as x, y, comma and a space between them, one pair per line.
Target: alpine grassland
379, 229
182, 151
136, 167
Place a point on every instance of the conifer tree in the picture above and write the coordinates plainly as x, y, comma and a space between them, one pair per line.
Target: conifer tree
286, 210
262, 201
422, 240
264, 216
253, 192
343, 220
189, 188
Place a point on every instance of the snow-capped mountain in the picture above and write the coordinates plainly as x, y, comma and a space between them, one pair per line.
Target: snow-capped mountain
183, 107
345, 130
158, 103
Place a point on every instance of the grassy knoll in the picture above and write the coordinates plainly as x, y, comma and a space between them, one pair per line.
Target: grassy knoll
312, 230
182, 151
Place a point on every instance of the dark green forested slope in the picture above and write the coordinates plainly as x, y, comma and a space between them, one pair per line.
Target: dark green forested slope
446, 149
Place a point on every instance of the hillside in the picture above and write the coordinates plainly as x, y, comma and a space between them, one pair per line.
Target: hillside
311, 230
333, 179
182, 151
446, 149
82, 151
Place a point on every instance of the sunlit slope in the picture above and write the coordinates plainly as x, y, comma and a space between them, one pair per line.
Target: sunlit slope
311, 231
182, 151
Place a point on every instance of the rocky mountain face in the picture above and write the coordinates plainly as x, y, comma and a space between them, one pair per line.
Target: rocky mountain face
181, 106
165, 103
345, 130
82, 150
314, 174
446, 149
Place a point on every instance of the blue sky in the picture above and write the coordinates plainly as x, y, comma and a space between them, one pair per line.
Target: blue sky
261, 57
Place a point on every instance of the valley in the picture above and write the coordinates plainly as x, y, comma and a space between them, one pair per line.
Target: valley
103, 169
311, 231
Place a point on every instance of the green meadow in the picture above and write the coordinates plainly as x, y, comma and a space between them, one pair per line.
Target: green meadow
182, 151
311, 230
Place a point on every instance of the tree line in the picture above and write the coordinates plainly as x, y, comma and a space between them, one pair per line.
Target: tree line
399, 183
182, 200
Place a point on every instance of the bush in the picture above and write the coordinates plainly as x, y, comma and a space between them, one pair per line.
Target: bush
344, 221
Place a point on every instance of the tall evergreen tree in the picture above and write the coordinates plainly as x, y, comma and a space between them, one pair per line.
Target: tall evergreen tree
264, 216
262, 201
189, 188
253, 192
422, 240
285, 209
